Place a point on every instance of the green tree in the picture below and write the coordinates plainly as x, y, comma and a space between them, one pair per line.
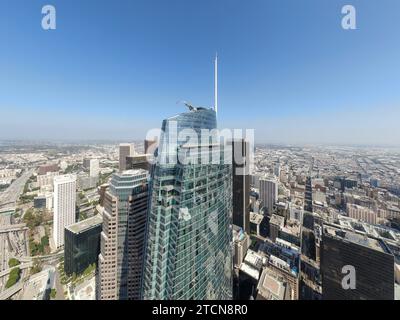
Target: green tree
13, 277
32, 218
36, 267
53, 293
13, 262
89, 269
44, 241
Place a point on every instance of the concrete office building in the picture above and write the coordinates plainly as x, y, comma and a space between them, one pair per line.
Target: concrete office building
85, 181
125, 150
249, 274
102, 189
44, 169
295, 212
123, 236
275, 224
258, 224
241, 242
93, 166
64, 206
269, 193
361, 213
139, 161
44, 180
277, 170
255, 181
150, 146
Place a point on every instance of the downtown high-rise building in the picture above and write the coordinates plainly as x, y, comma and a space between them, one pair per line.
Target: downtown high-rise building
277, 170
189, 238
93, 166
150, 146
308, 195
122, 238
355, 266
241, 184
64, 206
268, 193
125, 150
138, 161
82, 244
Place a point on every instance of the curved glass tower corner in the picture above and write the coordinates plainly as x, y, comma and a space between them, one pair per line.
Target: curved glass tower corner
188, 251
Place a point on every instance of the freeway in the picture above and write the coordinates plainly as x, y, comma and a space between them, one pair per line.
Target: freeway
44, 258
11, 291
10, 196
21, 266
13, 227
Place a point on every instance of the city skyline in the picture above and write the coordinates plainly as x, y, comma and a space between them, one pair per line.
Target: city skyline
287, 70
298, 199
189, 151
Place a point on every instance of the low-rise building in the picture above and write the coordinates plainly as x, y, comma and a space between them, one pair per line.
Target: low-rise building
271, 286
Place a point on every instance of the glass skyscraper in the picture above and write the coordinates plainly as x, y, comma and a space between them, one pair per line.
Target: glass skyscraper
82, 244
189, 236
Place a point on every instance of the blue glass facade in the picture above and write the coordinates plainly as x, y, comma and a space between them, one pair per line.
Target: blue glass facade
188, 252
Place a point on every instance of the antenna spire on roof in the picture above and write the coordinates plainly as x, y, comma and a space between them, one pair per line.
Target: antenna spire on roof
216, 83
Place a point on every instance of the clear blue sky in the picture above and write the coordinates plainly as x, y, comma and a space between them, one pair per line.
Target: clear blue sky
113, 69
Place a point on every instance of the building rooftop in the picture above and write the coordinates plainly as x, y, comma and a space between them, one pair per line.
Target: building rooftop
256, 218
355, 238
277, 220
252, 264
393, 208
86, 224
132, 172
65, 178
292, 227
374, 231
140, 157
238, 233
270, 287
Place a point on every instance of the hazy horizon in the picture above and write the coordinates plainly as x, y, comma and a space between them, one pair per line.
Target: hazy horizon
287, 70
41, 142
